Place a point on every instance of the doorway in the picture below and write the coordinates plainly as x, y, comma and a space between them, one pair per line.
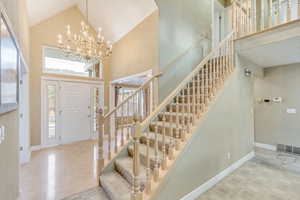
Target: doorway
69, 110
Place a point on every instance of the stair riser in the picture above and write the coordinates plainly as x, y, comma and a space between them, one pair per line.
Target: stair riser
169, 131
172, 118
152, 143
188, 99
143, 159
182, 108
129, 177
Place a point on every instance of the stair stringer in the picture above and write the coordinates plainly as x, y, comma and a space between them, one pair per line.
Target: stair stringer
178, 180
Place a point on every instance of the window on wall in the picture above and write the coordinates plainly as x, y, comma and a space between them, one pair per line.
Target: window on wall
55, 62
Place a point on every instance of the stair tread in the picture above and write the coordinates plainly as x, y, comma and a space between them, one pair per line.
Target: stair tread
143, 150
181, 114
125, 165
168, 124
151, 135
116, 187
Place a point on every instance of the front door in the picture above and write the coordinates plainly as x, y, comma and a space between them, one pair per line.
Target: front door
69, 111
75, 112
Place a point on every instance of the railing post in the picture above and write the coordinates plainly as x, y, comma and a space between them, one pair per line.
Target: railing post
136, 192
100, 140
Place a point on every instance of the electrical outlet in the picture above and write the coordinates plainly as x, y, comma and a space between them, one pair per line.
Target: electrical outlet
228, 155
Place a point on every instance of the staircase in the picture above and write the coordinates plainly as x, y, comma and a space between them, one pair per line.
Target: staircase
134, 163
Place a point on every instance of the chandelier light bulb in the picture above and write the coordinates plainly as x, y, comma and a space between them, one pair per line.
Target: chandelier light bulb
59, 36
85, 46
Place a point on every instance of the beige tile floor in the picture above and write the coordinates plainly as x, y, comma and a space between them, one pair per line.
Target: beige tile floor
61, 171
257, 181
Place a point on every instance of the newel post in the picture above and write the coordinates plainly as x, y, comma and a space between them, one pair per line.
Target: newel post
136, 191
100, 140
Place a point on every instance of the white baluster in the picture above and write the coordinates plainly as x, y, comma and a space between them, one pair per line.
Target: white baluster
156, 156
136, 191
118, 124
288, 11
101, 158
164, 158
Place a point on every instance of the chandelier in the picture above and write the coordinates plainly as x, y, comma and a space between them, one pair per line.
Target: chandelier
84, 45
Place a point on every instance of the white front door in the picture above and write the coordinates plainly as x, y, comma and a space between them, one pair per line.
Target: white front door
69, 111
75, 112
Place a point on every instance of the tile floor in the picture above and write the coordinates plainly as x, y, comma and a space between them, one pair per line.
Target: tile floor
61, 171
256, 181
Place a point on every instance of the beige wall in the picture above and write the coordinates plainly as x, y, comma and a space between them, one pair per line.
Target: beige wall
137, 51
9, 149
273, 124
226, 128
181, 23
45, 33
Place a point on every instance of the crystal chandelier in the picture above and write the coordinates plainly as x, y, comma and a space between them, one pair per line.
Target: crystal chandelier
84, 45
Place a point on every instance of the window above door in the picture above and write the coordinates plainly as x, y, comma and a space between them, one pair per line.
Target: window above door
55, 62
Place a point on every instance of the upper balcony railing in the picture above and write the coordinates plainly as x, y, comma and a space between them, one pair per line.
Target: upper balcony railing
254, 16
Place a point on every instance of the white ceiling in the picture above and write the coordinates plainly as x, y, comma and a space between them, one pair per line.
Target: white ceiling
116, 17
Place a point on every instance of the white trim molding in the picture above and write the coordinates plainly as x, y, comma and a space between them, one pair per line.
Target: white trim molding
216, 179
266, 146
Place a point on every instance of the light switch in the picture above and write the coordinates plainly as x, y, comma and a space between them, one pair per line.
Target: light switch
2, 134
291, 110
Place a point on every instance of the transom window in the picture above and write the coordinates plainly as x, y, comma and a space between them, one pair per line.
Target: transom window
55, 62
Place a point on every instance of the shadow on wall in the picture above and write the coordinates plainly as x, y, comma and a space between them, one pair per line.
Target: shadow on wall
181, 66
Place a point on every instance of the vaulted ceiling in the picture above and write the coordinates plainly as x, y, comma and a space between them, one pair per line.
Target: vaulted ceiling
116, 17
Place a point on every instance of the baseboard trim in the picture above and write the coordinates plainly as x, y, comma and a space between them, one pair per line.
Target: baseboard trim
40, 147
266, 146
216, 179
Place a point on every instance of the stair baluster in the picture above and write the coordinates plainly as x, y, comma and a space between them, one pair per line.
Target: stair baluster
271, 13
148, 165
183, 119
136, 191
199, 95
210, 74
123, 125
156, 156
100, 140
288, 11
164, 157
194, 101
177, 134
128, 120
107, 128
118, 125
202, 90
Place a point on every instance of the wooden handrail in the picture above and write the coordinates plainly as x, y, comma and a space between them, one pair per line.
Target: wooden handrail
240, 6
160, 108
132, 95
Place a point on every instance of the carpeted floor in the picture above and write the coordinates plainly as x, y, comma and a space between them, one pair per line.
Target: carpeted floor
256, 181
